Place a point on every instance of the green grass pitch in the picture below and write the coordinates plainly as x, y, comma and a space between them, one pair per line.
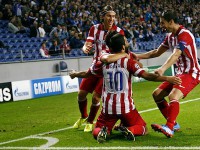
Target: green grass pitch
30, 124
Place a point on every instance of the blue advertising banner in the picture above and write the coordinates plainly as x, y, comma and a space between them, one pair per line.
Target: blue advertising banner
46, 87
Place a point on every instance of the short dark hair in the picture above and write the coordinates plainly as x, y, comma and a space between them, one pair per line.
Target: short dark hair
114, 40
170, 15
108, 37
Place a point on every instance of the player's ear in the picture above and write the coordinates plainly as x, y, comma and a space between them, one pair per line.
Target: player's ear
123, 48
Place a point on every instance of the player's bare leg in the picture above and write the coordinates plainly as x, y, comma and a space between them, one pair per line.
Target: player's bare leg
82, 101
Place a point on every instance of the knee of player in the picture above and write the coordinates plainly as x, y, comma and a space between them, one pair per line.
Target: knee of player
82, 95
154, 94
158, 94
95, 132
96, 98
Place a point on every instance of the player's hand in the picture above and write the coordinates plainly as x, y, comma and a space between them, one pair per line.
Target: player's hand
86, 48
174, 80
159, 71
72, 74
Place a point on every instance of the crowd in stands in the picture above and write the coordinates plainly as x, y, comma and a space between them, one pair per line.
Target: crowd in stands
70, 20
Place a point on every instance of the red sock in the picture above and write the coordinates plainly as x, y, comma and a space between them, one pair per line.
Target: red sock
137, 130
163, 107
93, 112
83, 108
172, 113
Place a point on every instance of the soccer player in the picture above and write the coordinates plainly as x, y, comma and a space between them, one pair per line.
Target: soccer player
93, 83
184, 53
117, 92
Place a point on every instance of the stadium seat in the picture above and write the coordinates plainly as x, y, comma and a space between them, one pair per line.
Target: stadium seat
63, 67
13, 40
16, 57
27, 40
18, 35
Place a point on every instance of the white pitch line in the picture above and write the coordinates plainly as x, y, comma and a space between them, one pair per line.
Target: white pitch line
63, 129
33, 136
51, 141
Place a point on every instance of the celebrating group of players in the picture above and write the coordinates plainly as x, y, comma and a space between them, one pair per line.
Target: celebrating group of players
113, 66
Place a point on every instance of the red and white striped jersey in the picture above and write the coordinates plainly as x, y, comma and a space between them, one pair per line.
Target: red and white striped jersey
185, 41
97, 35
117, 85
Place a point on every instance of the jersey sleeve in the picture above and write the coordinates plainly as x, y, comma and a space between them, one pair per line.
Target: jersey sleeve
134, 68
132, 56
184, 39
103, 52
97, 68
90, 37
122, 32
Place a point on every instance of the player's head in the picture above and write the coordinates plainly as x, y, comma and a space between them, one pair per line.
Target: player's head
115, 41
108, 16
108, 37
168, 19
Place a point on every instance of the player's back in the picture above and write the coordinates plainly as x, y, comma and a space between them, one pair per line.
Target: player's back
117, 88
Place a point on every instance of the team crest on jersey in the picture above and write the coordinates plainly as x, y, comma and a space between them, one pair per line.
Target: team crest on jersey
137, 66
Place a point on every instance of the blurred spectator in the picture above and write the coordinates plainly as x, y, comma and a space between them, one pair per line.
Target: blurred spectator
48, 27
133, 45
42, 11
32, 18
56, 37
60, 18
136, 32
54, 50
128, 35
75, 41
149, 34
154, 28
57, 29
34, 32
41, 30
18, 8
7, 12
64, 33
44, 51
141, 36
25, 21
15, 25
65, 47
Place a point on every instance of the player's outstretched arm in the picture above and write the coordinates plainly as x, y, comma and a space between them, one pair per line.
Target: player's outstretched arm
80, 74
156, 77
110, 58
153, 53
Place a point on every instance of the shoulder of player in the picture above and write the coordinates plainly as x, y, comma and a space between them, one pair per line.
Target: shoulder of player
118, 29
185, 34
